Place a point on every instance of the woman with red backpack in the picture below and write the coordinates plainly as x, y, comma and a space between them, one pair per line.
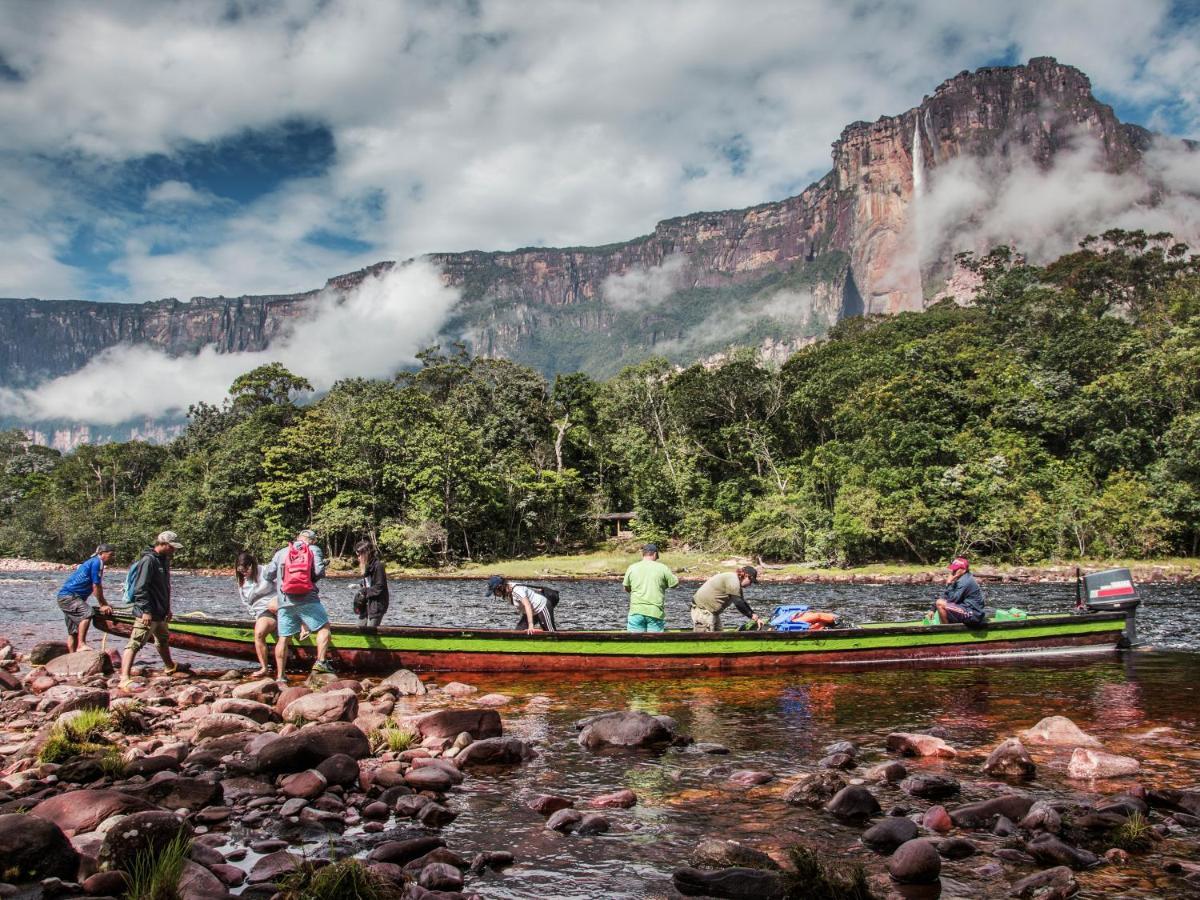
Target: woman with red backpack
296, 569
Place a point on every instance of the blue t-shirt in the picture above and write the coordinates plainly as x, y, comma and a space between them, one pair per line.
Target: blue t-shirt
80, 584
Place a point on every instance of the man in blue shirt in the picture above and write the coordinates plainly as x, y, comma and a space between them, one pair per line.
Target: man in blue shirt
300, 613
962, 600
86, 580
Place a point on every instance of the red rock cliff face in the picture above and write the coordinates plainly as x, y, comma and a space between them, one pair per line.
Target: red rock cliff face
859, 216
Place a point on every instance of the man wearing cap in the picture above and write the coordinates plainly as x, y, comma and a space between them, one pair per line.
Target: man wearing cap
73, 596
718, 594
150, 592
300, 614
962, 600
646, 583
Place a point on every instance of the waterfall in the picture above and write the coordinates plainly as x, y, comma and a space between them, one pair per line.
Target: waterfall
931, 136
918, 191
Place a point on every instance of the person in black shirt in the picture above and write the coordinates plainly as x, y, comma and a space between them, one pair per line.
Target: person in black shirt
371, 599
962, 600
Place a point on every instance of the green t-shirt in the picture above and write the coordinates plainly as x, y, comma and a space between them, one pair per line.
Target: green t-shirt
647, 581
716, 594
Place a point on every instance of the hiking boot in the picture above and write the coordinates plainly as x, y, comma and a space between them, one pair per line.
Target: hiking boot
322, 667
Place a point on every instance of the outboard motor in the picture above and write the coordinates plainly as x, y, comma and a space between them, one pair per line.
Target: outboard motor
1109, 591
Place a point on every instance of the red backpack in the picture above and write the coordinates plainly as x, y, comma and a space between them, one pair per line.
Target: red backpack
297, 570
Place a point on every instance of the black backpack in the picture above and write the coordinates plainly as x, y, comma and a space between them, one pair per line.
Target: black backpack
551, 595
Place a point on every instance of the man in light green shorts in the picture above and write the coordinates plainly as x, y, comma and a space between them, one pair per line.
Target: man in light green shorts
645, 583
718, 594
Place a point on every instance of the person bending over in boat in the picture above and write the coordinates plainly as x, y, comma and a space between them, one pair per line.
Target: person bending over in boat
646, 583
719, 593
536, 610
148, 589
371, 598
962, 600
85, 581
258, 595
296, 569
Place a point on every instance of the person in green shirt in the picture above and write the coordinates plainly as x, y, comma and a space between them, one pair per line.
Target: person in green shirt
645, 582
718, 594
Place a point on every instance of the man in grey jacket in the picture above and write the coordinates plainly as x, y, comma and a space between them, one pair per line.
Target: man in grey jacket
151, 595
299, 614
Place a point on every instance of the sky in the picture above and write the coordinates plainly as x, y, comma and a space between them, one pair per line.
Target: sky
153, 149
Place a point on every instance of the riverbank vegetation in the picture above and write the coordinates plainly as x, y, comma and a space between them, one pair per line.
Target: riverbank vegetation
1058, 416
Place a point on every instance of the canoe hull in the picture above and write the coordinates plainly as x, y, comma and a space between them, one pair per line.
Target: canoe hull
453, 650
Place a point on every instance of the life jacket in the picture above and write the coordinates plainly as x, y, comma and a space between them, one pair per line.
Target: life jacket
297, 577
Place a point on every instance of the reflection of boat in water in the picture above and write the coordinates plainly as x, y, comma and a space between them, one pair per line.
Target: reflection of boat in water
484, 650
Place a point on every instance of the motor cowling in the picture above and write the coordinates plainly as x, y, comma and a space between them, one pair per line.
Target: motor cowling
1110, 591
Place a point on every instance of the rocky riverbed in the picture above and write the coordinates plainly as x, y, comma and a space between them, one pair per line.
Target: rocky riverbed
262, 790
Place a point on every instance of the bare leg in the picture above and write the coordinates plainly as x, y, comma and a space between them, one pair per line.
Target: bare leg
281, 653
263, 626
164, 652
941, 611
72, 643
324, 635
80, 642
126, 664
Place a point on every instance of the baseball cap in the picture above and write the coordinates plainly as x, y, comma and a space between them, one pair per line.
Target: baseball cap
650, 548
308, 533
169, 537
494, 582
105, 548
751, 573
959, 562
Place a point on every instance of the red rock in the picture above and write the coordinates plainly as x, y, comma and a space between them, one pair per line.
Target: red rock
908, 744
323, 707
343, 684
545, 804
250, 709
35, 848
458, 689
449, 723
622, 799
1097, 764
231, 876
197, 883
1058, 731
308, 785
264, 690
79, 811
440, 877
288, 695
221, 724
432, 778
750, 778
105, 884
83, 664
937, 819
273, 866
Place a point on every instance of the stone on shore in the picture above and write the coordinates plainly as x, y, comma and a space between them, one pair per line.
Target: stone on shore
1042, 817
439, 876
250, 709
221, 724
915, 862
138, 834
310, 746
815, 789
1098, 764
32, 848
341, 770
1058, 731
888, 834
71, 698
907, 744
323, 707
82, 664
450, 723
306, 785
623, 728
714, 853
1052, 851
736, 883
428, 778
45, 651
853, 803
399, 853
76, 812
405, 683
622, 799
1010, 759
290, 695
273, 866
264, 690
982, 813
496, 751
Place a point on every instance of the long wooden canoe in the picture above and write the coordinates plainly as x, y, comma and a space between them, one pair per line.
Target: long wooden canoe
485, 650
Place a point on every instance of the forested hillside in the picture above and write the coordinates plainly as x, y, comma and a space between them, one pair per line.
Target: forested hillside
1057, 416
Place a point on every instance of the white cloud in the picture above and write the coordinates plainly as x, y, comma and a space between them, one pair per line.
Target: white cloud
645, 288
503, 123
180, 193
371, 332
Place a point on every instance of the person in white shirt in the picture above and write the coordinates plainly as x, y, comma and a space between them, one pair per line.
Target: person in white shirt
537, 611
258, 596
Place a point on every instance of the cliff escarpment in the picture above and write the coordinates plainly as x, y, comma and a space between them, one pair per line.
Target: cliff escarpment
774, 275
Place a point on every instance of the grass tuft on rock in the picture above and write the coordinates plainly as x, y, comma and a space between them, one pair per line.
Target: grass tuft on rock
81, 735
1134, 835
113, 764
345, 879
393, 737
127, 718
155, 876
815, 879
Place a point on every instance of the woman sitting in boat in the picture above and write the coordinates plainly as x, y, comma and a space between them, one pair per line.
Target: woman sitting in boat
258, 595
962, 600
371, 598
537, 612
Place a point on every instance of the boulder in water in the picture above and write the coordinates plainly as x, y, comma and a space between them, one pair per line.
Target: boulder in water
915, 862
1010, 759
1058, 731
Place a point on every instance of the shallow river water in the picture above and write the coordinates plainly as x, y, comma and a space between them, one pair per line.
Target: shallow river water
1144, 704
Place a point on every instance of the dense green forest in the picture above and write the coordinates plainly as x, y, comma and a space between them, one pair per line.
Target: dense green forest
1057, 416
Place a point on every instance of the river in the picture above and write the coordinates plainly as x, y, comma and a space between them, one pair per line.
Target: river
1144, 704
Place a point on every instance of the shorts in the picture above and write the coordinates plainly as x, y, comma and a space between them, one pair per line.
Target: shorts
143, 634
264, 614
313, 616
960, 615
705, 620
639, 623
75, 609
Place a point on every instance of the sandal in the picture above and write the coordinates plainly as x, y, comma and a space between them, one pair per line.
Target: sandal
171, 669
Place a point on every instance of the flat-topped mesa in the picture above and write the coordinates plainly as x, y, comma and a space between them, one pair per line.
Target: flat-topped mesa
845, 245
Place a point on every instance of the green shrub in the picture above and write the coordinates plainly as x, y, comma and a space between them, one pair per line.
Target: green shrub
394, 737
817, 880
155, 876
345, 879
1135, 835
